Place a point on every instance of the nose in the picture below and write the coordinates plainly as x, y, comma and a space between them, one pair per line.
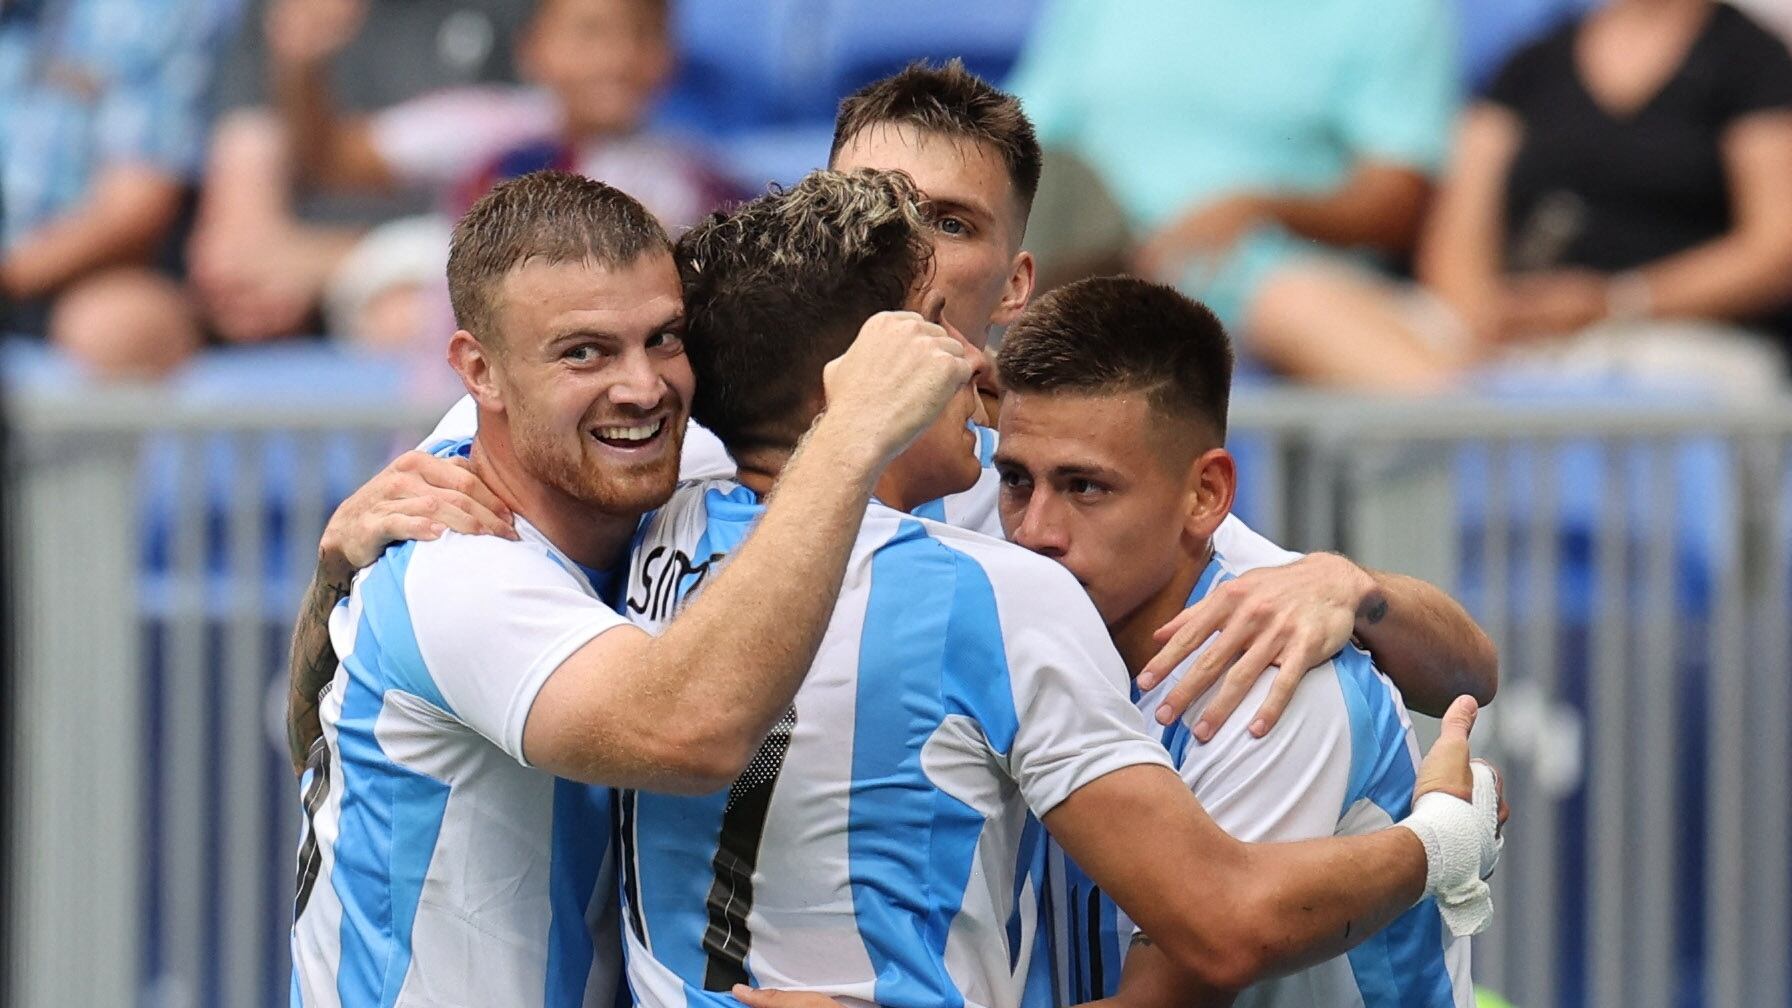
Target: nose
1041, 529
638, 382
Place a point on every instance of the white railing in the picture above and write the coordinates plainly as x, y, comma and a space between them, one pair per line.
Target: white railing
1632, 562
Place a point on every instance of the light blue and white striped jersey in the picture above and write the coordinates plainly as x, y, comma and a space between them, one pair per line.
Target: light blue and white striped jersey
1341, 761
882, 846
438, 868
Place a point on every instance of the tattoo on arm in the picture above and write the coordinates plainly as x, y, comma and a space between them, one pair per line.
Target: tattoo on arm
310, 666
1374, 609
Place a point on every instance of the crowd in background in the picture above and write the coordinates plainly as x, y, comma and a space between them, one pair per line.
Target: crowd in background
1393, 195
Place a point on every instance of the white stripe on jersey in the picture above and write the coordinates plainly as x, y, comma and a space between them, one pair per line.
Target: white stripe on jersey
882, 847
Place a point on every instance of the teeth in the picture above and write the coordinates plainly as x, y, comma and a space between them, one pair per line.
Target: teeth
630, 433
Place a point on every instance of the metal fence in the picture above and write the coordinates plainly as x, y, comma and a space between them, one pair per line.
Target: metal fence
1633, 563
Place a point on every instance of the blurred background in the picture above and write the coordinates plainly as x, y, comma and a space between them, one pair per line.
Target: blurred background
1511, 282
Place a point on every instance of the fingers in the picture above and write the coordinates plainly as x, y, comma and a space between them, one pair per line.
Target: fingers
1195, 624
1238, 681
1299, 657
1459, 720
767, 998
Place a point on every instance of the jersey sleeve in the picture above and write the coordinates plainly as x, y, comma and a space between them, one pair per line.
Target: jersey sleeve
1074, 718
493, 619
1291, 784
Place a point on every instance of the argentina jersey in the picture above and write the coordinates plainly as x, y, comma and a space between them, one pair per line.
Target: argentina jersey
438, 868
1341, 761
884, 844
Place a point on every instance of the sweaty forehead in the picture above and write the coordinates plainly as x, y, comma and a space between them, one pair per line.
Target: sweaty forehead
544, 295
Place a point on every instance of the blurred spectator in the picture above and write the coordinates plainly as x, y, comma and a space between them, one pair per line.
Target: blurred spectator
268, 241
1622, 201
594, 66
103, 118
1264, 153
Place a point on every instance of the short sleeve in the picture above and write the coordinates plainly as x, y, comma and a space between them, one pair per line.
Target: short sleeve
440, 138
1401, 91
1757, 68
493, 619
1515, 86
1075, 721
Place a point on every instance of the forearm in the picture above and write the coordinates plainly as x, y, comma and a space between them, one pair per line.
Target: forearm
732, 661
1379, 209
311, 662
1733, 277
1317, 899
130, 210
1427, 644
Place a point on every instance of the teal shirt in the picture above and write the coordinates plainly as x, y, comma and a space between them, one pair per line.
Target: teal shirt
1177, 102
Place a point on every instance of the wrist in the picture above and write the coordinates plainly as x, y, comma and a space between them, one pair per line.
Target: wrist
843, 444
334, 569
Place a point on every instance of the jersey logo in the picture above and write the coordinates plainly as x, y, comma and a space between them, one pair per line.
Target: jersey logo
667, 577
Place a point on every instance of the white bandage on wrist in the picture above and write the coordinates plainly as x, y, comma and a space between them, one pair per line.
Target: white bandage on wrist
1462, 846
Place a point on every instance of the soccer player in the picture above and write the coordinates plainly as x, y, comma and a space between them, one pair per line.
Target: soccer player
1113, 463
878, 846
971, 149
452, 855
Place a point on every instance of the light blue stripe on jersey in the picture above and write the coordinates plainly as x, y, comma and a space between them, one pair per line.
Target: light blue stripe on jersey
391, 816
986, 445
918, 664
1404, 963
581, 838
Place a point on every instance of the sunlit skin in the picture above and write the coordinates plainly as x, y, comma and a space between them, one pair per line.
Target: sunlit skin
1106, 486
578, 351
978, 263
604, 60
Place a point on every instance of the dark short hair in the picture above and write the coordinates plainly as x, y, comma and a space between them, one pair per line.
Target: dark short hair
1121, 334
951, 101
779, 286
548, 215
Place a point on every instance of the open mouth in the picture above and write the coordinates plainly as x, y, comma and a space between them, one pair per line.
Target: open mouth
631, 437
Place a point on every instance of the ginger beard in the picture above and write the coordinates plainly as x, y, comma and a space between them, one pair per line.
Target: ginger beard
602, 473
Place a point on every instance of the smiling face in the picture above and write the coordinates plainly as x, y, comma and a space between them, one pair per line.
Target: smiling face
591, 379
978, 223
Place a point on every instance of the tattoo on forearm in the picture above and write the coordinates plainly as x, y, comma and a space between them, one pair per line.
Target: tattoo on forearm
1374, 608
311, 665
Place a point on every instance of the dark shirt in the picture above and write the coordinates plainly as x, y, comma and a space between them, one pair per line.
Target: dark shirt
1612, 192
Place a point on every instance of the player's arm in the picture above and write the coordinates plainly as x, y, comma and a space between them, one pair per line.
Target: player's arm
1295, 617
686, 710
331, 149
1228, 913
418, 496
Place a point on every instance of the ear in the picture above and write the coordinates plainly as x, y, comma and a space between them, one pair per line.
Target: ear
477, 368
1018, 291
1212, 485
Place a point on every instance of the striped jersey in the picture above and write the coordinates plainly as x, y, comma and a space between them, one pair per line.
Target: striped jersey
1341, 761
437, 867
883, 845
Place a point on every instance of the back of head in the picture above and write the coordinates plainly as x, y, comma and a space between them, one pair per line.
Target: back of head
1116, 335
779, 286
949, 101
550, 216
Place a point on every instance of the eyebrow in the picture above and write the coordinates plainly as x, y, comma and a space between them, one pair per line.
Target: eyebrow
952, 207
1086, 469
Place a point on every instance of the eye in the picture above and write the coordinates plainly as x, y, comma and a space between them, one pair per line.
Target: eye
581, 353
669, 340
1013, 479
953, 226
1086, 488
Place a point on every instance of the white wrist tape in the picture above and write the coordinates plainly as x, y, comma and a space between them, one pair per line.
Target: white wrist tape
1462, 847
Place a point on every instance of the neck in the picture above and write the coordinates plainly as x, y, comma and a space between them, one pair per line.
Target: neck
591, 537
1134, 633
758, 469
